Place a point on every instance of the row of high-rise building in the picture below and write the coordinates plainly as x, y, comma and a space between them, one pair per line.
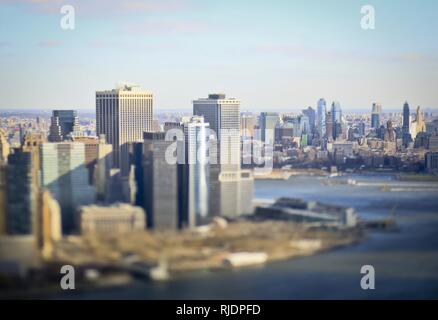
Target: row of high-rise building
181, 177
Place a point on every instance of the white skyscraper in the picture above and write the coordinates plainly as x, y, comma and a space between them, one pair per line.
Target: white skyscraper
230, 188
197, 150
123, 114
223, 115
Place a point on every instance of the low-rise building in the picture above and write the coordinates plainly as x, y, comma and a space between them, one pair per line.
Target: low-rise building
119, 218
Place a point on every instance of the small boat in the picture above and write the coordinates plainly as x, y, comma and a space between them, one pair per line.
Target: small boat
243, 259
160, 272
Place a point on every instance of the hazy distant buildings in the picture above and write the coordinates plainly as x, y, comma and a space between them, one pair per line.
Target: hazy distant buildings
64, 173
123, 114
431, 161
64, 124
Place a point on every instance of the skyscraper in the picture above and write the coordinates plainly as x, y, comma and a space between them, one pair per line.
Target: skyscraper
406, 117
268, 123
406, 134
418, 125
64, 174
161, 200
336, 119
2, 199
230, 188
223, 115
247, 123
122, 115
4, 148
321, 113
375, 116
64, 123
329, 126
20, 193
310, 113
196, 171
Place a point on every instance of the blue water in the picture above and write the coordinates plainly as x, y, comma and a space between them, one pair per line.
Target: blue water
405, 262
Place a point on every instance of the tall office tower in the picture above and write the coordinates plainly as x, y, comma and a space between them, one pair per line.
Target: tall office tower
268, 123
98, 162
361, 129
375, 116
329, 126
418, 125
406, 117
247, 123
160, 183
49, 224
223, 115
304, 123
104, 163
226, 178
421, 125
196, 171
136, 150
310, 113
20, 193
122, 115
321, 113
336, 119
406, 132
64, 124
64, 174
91, 147
4, 148
31, 143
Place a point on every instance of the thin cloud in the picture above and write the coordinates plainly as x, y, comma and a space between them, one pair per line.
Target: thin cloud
49, 44
103, 7
5, 44
317, 54
167, 26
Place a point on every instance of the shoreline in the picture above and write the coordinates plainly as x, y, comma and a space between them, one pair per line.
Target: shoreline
186, 252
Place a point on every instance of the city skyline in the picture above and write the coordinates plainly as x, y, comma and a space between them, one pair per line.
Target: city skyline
302, 48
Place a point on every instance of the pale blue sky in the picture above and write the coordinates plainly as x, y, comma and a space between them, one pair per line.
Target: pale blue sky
275, 54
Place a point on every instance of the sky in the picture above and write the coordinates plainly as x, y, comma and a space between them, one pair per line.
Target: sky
269, 54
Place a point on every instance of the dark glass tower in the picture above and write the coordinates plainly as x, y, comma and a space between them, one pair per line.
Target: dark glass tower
63, 124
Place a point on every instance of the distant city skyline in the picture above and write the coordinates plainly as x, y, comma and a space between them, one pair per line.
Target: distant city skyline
290, 53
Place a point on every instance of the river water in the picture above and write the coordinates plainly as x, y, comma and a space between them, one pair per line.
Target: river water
405, 261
